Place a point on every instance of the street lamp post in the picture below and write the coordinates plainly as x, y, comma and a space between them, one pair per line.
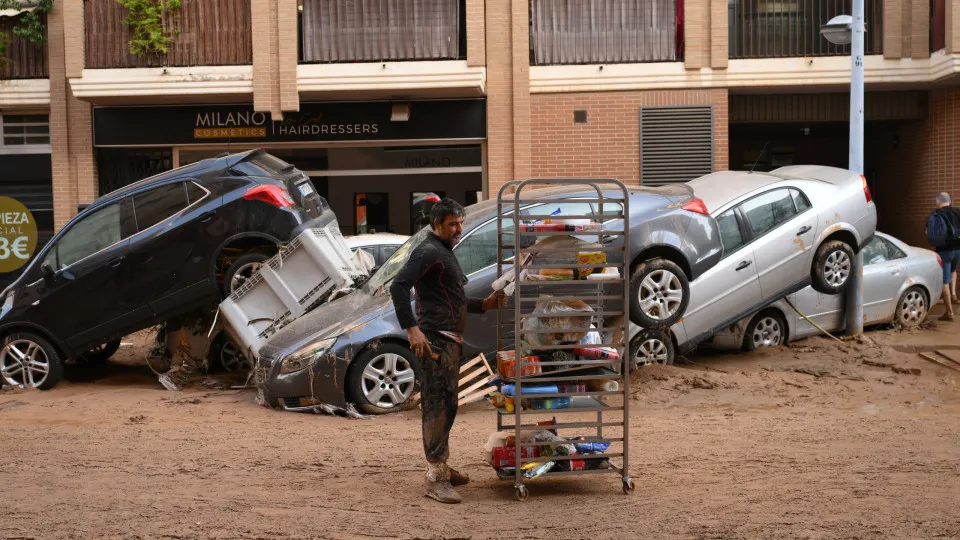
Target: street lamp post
842, 30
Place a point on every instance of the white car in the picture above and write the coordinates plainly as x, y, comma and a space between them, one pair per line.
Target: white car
781, 231
380, 246
900, 284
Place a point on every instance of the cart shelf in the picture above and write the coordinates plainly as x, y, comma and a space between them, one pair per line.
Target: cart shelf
577, 405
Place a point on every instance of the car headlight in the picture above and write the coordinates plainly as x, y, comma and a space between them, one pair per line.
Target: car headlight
302, 358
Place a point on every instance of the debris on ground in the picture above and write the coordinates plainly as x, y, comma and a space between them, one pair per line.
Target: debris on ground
138, 419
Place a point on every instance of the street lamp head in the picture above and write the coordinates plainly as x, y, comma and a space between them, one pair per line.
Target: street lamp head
838, 30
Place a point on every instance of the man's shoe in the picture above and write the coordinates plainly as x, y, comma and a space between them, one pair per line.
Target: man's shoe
442, 491
457, 478
947, 317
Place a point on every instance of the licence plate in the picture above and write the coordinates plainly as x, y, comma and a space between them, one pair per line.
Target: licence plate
305, 189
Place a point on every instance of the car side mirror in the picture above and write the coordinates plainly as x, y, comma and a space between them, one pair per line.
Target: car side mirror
47, 271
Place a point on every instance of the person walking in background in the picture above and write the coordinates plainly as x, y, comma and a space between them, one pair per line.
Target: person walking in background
943, 233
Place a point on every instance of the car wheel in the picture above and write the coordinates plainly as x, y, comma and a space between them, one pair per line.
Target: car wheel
651, 347
912, 308
226, 356
832, 267
659, 294
242, 269
766, 329
383, 378
30, 360
101, 353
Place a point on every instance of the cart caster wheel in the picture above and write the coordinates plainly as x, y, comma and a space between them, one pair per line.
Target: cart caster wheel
628, 486
522, 493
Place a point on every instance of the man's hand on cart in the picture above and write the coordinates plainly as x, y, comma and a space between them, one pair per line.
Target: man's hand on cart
495, 300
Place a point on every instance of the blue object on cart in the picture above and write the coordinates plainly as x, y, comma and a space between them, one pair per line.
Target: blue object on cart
511, 389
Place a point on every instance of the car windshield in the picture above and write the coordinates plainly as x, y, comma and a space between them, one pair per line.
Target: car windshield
391, 267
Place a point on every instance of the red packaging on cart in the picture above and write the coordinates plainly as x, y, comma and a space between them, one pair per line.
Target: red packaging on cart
577, 465
594, 353
506, 456
507, 367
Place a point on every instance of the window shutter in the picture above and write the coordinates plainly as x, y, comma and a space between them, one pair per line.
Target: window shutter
676, 143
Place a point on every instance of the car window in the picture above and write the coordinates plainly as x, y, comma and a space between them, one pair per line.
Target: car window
730, 235
387, 250
800, 200
879, 251
93, 233
766, 212
478, 250
152, 207
392, 266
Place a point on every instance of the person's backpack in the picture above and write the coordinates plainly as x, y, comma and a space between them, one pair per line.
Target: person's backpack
939, 230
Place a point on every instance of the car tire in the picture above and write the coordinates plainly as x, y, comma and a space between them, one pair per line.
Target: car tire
766, 329
240, 270
37, 345
912, 308
655, 285
99, 355
225, 356
375, 369
832, 267
651, 347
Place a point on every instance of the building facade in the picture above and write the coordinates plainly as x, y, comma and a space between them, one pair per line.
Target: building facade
381, 101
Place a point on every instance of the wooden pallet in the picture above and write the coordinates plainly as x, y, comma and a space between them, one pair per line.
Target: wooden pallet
476, 377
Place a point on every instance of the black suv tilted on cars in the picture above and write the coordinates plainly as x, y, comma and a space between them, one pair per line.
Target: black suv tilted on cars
147, 253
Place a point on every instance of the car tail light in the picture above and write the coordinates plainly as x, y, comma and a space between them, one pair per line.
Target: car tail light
270, 194
866, 189
939, 260
696, 205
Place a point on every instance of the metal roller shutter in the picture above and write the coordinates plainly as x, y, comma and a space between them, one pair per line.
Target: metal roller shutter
676, 143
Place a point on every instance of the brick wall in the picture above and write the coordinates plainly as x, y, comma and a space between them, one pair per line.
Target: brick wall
266, 83
906, 28
609, 144
71, 129
476, 33
926, 162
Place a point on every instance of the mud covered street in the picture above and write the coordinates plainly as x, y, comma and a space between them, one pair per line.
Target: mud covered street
801, 442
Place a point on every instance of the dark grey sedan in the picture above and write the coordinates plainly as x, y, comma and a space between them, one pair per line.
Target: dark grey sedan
353, 349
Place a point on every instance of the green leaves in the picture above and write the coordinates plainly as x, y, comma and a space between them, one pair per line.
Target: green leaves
145, 19
29, 24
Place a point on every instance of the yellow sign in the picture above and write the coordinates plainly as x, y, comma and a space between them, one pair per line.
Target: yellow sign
18, 234
229, 133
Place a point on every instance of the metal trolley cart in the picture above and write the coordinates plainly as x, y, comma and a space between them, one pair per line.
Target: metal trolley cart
582, 378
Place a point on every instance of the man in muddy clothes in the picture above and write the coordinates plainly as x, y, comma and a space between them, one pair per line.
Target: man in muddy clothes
435, 336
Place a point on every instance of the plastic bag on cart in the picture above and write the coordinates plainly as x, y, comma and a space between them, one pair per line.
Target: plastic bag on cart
548, 315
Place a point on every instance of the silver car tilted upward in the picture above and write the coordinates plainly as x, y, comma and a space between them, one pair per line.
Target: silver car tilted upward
781, 231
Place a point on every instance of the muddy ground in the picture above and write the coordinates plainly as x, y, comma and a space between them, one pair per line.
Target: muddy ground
818, 440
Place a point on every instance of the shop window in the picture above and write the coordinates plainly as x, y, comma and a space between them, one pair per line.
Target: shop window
422, 203
25, 129
372, 213
158, 204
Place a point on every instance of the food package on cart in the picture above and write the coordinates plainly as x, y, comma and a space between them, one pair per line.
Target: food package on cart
506, 365
549, 315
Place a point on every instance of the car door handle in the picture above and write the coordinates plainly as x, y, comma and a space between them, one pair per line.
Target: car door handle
742, 265
207, 216
115, 262
803, 229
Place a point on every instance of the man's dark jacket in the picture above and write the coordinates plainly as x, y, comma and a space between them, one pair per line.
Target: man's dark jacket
442, 304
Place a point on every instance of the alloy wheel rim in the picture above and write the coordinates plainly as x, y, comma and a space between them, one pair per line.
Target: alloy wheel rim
244, 273
24, 363
836, 269
767, 333
230, 358
913, 309
651, 351
388, 380
660, 294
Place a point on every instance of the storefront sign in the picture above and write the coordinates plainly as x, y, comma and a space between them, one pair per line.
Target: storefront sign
354, 121
18, 234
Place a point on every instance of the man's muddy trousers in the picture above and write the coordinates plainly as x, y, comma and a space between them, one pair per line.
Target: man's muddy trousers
438, 395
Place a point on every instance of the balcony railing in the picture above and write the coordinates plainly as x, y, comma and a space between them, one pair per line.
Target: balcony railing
211, 33
382, 30
25, 59
791, 28
605, 31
